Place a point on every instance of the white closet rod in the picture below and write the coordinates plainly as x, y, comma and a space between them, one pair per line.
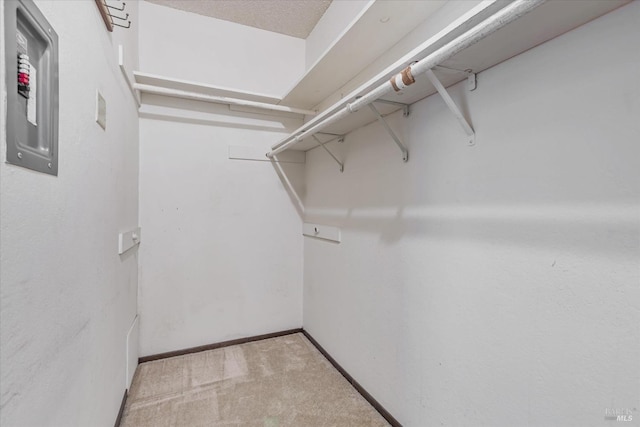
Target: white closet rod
404, 78
218, 99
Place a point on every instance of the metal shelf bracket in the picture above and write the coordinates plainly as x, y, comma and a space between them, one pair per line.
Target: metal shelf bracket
405, 152
453, 107
405, 107
340, 138
472, 83
335, 136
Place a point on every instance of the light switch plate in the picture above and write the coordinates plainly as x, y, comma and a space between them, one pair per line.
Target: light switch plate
101, 110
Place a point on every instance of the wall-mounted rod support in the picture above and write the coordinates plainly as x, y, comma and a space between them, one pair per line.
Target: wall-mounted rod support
452, 106
331, 134
114, 18
119, 17
116, 8
471, 76
118, 25
452, 70
218, 99
405, 152
322, 144
405, 107
504, 16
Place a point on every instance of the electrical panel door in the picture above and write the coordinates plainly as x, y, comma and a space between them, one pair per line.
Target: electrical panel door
31, 58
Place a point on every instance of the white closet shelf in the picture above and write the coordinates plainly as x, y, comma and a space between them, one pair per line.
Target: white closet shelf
203, 88
167, 86
336, 66
380, 25
547, 21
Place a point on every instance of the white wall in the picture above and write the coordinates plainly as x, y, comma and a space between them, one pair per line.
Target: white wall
68, 298
222, 252
188, 46
496, 285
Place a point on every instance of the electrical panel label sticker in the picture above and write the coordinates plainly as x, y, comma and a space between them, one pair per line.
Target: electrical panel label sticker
22, 41
33, 97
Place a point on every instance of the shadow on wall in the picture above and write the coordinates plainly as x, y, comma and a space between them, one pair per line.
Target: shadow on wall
219, 115
293, 182
291, 176
444, 193
522, 184
535, 226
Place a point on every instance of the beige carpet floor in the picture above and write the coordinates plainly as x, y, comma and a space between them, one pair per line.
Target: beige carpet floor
276, 382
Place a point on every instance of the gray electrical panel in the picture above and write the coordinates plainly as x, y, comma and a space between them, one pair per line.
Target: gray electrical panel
31, 58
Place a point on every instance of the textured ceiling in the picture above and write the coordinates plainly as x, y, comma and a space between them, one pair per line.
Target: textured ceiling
291, 17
